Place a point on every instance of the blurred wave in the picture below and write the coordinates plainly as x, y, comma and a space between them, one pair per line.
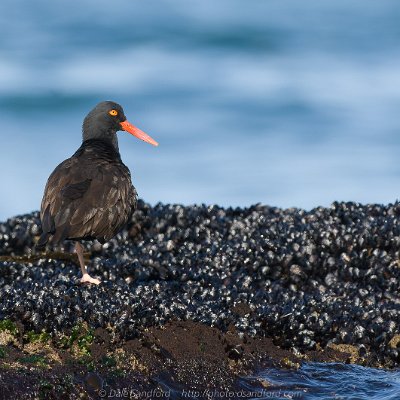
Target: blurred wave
284, 103
314, 381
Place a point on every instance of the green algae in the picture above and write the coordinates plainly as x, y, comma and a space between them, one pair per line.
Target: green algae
8, 325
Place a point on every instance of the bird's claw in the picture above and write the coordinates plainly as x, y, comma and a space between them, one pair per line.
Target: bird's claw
86, 278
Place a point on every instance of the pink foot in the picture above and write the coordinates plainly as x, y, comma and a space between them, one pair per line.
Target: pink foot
86, 278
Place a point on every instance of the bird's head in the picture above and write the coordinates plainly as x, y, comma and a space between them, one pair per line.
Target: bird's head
106, 119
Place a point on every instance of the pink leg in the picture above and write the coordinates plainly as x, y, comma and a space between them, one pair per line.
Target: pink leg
86, 278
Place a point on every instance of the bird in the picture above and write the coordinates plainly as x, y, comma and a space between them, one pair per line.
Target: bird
90, 195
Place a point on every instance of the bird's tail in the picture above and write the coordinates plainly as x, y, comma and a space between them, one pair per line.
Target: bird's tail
41, 244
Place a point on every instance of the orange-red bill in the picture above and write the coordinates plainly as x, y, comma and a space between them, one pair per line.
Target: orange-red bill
127, 126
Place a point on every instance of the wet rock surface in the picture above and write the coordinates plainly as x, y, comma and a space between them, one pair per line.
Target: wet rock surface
181, 359
309, 280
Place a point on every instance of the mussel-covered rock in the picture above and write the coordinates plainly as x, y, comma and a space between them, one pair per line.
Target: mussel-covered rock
306, 278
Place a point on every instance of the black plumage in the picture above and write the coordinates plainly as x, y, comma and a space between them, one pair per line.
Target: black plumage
90, 195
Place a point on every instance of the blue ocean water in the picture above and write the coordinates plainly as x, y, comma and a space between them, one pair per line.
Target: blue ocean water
312, 381
325, 381
286, 103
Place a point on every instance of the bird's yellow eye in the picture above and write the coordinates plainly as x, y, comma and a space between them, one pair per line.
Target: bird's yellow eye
113, 112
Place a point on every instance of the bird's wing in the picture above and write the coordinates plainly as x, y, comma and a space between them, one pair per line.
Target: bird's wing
82, 201
65, 175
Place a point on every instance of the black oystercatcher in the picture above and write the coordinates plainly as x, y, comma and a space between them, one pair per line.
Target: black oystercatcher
90, 195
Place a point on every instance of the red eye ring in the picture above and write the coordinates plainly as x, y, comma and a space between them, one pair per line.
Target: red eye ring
113, 112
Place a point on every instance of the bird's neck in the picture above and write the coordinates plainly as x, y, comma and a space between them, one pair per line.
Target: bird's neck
99, 148
98, 134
